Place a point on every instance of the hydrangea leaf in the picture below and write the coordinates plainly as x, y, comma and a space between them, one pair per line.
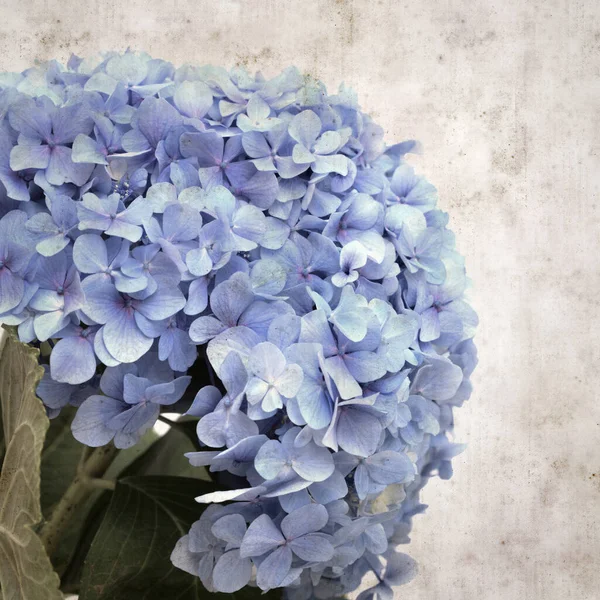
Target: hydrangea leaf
25, 569
167, 455
129, 557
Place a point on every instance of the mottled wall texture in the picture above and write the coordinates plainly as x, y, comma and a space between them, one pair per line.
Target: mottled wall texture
504, 96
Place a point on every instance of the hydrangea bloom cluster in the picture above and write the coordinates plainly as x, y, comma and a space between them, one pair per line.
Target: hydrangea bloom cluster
152, 217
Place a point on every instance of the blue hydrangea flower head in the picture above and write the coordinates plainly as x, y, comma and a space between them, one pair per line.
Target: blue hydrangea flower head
156, 219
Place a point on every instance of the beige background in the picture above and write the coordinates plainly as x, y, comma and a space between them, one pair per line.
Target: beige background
504, 96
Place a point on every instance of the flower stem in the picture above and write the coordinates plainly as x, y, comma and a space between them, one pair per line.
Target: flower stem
87, 479
102, 484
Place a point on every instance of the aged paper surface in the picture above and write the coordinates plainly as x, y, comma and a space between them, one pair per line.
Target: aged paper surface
504, 97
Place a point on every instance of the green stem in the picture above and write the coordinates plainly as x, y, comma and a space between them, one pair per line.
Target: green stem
102, 484
87, 479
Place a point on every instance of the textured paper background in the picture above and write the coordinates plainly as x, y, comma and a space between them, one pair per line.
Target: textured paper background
504, 97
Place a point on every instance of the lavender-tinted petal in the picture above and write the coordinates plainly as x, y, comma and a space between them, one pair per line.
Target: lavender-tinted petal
204, 329
101, 352
211, 431
344, 381
274, 569
87, 150
376, 539
183, 558
230, 528
72, 360
313, 547
29, 157
89, 425
313, 463
123, 338
267, 361
102, 300
168, 393
358, 432
231, 573
207, 147
238, 339
205, 401
61, 169
193, 99
233, 375
336, 163
49, 324
295, 500
135, 420
165, 302
304, 520
333, 488
12, 289
230, 298
390, 467
134, 388
365, 366
262, 536
197, 299
305, 128
438, 380
255, 145
270, 459
155, 117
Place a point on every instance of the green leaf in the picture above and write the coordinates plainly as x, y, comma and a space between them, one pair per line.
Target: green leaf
166, 456
130, 555
72, 575
25, 569
60, 457
152, 455
125, 458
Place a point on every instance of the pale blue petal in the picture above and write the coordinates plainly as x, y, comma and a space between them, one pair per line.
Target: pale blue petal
307, 519
123, 338
207, 147
230, 298
305, 128
204, 329
274, 569
230, 528
313, 547
231, 573
89, 425
270, 459
72, 360
358, 432
205, 401
390, 467
262, 536
438, 380
313, 463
